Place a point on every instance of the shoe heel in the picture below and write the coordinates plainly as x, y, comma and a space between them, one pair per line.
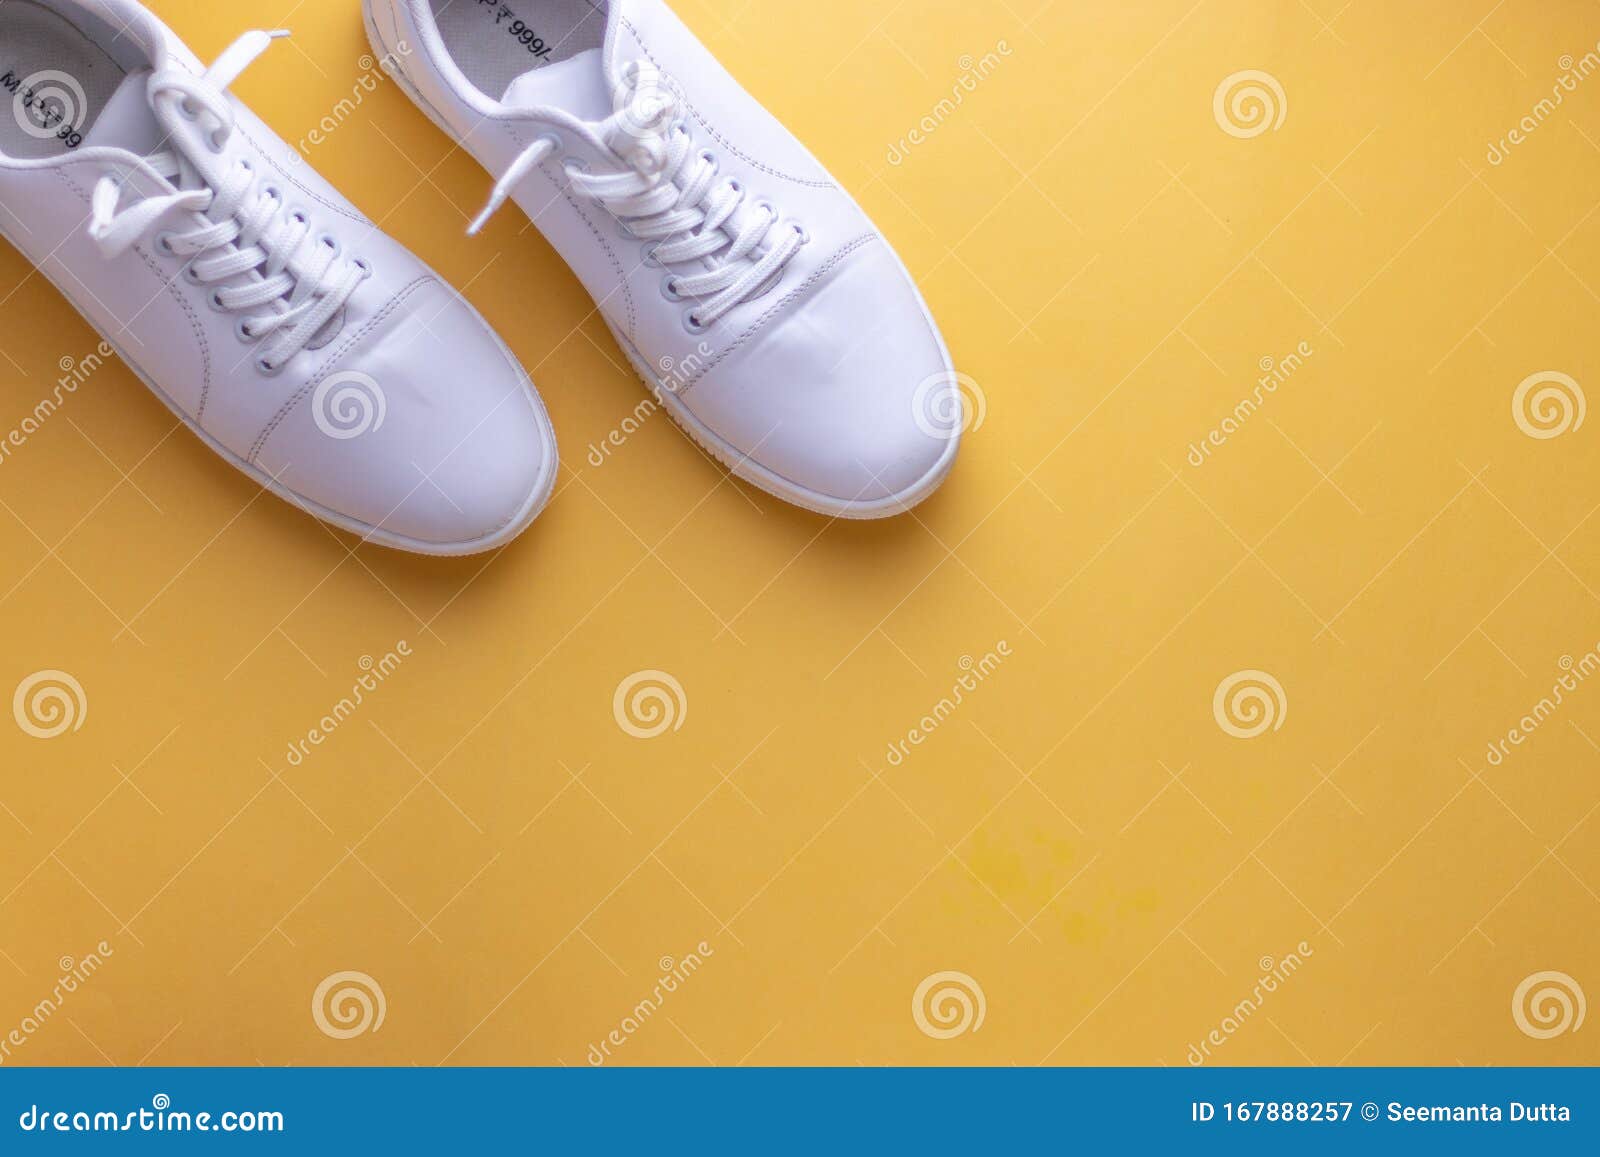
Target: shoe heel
383, 51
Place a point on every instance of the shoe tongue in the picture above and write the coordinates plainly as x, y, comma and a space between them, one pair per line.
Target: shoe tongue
127, 120
576, 85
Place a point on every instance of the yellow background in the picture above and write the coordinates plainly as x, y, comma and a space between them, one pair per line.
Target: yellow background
1081, 838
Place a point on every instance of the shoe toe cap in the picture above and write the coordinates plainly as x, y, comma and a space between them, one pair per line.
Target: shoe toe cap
427, 437
848, 400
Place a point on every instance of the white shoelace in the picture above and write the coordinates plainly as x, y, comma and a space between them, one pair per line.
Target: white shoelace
287, 283
666, 192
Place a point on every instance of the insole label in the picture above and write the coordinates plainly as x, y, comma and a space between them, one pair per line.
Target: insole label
516, 28
49, 105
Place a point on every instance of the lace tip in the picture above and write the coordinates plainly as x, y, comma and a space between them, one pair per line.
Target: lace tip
278, 34
489, 211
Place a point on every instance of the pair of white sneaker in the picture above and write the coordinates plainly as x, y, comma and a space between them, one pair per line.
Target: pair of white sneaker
316, 354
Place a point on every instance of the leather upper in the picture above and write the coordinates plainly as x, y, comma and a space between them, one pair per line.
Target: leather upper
453, 402
815, 379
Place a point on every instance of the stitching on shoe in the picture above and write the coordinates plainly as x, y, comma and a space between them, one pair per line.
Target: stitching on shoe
717, 136
616, 262
611, 254
331, 206
171, 287
330, 362
778, 307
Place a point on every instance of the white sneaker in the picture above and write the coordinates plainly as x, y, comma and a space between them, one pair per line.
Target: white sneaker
772, 319
308, 349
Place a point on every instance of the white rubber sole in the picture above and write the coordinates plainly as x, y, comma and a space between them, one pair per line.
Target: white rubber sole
520, 522
735, 460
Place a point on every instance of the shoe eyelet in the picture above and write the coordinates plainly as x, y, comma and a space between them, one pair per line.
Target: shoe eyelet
669, 288
362, 264
298, 216
215, 301
267, 367
622, 227
692, 323
191, 276
802, 232
164, 245
242, 332
710, 158
328, 240
647, 254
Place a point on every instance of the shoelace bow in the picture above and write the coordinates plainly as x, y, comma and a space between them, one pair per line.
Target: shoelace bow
666, 192
242, 228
